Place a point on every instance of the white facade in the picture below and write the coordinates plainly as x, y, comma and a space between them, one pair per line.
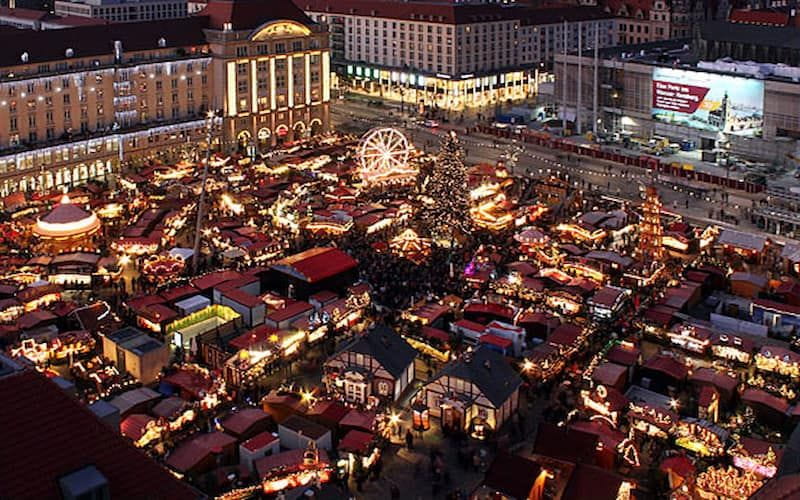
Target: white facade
451, 64
458, 49
123, 11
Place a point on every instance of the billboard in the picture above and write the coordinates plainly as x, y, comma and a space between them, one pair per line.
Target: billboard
708, 101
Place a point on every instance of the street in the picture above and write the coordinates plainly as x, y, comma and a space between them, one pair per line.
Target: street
694, 203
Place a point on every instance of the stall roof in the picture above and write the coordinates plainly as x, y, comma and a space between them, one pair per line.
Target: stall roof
134, 426
610, 438
495, 340
361, 419
757, 396
127, 400
259, 441
500, 310
192, 452
569, 445
242, 420
512, 475
243, 298
316, 264
668, 366
745, 241
356, 441
624, 354
191, 382
157, 313
592, 482
305, 427
179, 293
725, 383
193, 303
169, 407
565, 334
296, 308
214, 279
610, 374
435, 333
257, 335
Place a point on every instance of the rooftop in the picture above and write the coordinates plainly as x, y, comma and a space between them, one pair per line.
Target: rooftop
60, 435
387, 348
488, 370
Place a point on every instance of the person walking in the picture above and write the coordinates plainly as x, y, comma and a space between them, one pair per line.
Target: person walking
409, 439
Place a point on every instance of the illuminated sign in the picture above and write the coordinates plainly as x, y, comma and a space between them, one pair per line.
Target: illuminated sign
708, 101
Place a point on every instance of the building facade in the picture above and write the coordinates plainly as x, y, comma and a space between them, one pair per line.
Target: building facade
123, 10
450, 55
76, 104
626, 104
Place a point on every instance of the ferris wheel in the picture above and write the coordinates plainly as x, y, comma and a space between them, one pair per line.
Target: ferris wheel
383, 155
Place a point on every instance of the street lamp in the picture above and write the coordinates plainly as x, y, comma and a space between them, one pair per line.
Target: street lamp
210, 122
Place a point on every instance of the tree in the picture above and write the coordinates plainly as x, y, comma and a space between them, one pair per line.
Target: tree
446, 215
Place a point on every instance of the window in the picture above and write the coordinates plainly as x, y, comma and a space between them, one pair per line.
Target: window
241, 51
297, 46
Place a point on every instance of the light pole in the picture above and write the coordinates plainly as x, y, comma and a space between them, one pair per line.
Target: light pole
211, 120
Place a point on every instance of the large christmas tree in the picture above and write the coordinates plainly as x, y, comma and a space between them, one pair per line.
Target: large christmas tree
446, 215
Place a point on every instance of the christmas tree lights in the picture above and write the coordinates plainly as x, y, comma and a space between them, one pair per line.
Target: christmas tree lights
447, 214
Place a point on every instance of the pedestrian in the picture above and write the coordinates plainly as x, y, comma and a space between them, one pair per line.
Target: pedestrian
409, 439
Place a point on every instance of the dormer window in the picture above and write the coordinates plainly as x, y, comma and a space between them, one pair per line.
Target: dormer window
227, 27
87, 483
162, 42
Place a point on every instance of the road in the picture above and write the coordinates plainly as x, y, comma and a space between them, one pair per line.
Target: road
698, 205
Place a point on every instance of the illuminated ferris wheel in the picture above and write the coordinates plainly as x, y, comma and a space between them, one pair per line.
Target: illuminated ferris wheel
384, 157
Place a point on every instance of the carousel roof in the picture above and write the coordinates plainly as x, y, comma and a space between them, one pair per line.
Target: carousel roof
66, 220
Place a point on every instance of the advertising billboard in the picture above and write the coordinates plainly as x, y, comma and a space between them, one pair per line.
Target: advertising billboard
708, 101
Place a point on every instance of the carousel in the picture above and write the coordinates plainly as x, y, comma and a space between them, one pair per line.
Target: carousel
410, 246
67, 227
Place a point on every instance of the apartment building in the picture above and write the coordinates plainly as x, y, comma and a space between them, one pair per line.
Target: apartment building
75, 104
451, 55
645, 21
123, 10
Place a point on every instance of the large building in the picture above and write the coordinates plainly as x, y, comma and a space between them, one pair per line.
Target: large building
123, 10
451, 55
77, 103
41, 20
662, 89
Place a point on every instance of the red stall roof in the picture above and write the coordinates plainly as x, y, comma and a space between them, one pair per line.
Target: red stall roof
242, 420
435, 333
259, 441
316, 264
757, 396
495, 340
257, 335
490, 308
565, 334
356, 441
668, 366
